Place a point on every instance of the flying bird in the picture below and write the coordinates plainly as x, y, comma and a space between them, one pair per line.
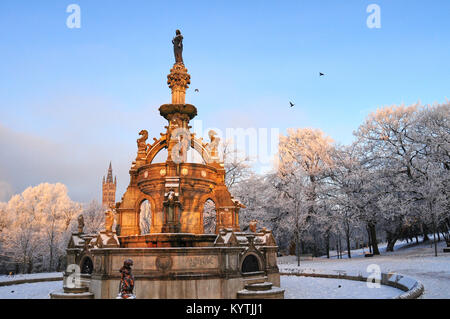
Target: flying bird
196, 90
321, 74
292, 104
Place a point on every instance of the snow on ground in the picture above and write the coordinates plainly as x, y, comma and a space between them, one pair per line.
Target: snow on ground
324, 288
30, 276
414, 261
40, 290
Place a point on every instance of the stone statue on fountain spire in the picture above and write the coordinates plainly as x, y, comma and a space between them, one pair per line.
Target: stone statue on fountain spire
178, 79
178, 47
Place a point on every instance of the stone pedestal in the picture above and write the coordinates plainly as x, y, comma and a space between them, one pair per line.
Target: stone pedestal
72, 293
261, 290
214, 267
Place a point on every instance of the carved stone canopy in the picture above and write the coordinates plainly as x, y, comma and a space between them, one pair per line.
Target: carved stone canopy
166, 110
178, 76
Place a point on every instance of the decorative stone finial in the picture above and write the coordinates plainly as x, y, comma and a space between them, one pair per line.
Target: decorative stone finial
178, 80
80, 224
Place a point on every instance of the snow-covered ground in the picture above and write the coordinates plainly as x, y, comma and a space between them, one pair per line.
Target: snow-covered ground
30, 276
39, 290
414, 261
324, 288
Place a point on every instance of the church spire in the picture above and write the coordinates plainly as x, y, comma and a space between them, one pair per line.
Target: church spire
109, 188
109, 178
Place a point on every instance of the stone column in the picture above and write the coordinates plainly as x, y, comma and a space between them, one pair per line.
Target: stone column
178, 80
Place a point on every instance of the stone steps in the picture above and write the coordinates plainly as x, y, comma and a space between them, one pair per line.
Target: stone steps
64, 295
260, 290
73, 293
76, 290
255, 280
259, 286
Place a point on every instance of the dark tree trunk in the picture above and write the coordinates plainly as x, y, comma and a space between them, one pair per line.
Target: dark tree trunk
369, 240
425, 233
391, 239
30, 266
327, 243
373, 236
347, 238
298, 249
435, 245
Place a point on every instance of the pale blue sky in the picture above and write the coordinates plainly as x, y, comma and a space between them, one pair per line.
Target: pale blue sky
71, 100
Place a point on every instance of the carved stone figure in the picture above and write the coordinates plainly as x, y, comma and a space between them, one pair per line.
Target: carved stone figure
126, 280
80, 224
171, 197
109, 220
171, 203
142, 142
252, 225
213, 146
178, 47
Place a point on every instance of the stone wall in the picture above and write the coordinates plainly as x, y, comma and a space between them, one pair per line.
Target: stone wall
190, 272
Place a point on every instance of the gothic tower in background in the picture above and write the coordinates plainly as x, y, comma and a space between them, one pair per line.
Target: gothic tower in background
109, 189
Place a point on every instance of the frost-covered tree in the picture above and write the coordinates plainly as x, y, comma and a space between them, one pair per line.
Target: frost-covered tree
408, 148
2, 215
386, 140
346, 194
237, 164
94, 217
36, 222
304, 164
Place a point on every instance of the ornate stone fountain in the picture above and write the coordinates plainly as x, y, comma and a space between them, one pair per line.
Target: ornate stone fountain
176, 259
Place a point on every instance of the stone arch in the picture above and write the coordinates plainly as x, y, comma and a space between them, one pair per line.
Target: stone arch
196, 144
137, 210
251, 262
209, 216
201, 205
194, 156
155, 149
226, 215
145, 217
86, 265
160, 157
